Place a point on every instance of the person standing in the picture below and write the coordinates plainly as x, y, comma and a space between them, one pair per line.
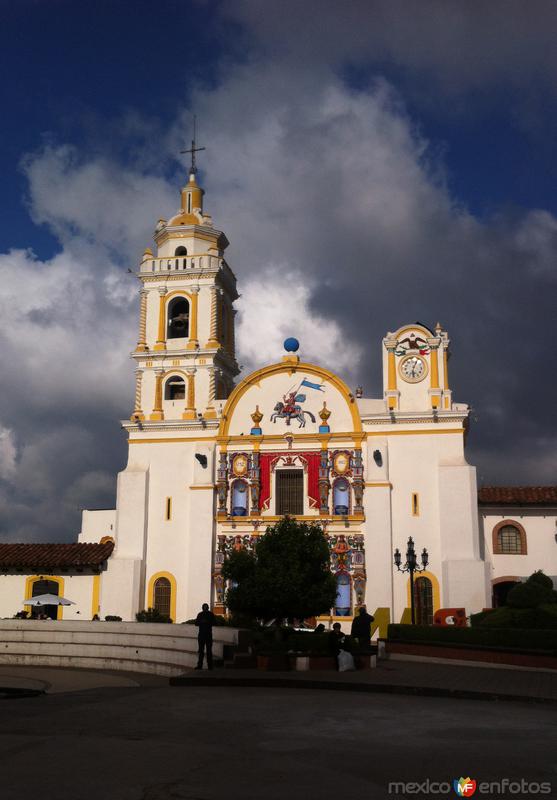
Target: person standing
205, 621
361, 627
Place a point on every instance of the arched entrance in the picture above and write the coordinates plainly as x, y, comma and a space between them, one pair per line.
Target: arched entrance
423, 599
44, 586
500, 589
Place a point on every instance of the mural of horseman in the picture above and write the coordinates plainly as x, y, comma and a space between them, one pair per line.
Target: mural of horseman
289, 408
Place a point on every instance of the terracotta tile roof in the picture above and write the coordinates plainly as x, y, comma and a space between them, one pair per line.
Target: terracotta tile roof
518, 495
44, 556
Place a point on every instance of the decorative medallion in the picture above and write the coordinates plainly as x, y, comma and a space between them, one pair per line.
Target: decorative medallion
341, 463
240, 465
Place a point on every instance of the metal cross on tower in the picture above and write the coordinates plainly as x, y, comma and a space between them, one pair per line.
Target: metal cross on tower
193, 149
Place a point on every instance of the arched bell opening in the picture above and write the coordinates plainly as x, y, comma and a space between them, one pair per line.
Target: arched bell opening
175, 388
178, 318
181, 251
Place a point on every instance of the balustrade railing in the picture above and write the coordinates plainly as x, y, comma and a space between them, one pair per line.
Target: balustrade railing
180, 263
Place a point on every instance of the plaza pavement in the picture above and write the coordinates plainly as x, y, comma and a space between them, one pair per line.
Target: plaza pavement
401, 677
152, 741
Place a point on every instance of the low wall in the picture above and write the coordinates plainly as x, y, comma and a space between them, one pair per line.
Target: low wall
134, 646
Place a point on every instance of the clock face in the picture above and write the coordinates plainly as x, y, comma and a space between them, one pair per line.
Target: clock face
240, 465
341, 463
413, 369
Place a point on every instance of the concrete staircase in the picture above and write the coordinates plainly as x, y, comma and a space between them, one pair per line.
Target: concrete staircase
132, 646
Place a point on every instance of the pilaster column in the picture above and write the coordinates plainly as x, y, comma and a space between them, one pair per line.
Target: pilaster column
189, 412
137, 411
142, 342
210, 412
161, 336
434, 391
193, 343
214, 331
158, 413
392, 394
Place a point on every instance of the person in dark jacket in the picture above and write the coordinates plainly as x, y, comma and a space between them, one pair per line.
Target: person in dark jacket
205, 621
361, 627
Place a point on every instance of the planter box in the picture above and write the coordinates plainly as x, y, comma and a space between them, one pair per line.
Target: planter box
278, 662
329, 663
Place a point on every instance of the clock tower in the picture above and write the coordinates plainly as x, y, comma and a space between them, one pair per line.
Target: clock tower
415, 369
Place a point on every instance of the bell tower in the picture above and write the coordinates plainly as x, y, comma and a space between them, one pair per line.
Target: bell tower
185, 355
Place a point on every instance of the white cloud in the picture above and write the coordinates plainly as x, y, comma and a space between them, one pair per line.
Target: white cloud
8, 453
277, 305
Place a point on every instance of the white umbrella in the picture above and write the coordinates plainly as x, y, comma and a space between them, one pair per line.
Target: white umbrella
48, 600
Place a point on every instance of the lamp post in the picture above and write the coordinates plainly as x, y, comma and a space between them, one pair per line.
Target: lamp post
411, 566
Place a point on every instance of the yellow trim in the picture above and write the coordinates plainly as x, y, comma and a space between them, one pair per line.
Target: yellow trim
95, 599
160, 344
434, 588
193, 343
275, 369
357, 438
29, 590
446, 368
151, 592
205, 486
235, 439
391, 365
415, 504
379, 483
168, 509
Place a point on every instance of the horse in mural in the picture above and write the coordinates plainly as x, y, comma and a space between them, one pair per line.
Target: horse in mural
290, 412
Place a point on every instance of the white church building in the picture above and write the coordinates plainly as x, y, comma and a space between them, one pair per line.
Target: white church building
213, 461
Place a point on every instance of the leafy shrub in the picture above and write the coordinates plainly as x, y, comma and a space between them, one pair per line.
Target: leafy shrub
540, 578
152, 615
542, 640
477, 619
112, 618
530, 594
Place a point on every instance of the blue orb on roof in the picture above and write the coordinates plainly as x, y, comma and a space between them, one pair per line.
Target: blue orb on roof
291, 345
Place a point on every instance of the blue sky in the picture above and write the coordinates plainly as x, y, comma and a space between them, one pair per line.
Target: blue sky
413, 145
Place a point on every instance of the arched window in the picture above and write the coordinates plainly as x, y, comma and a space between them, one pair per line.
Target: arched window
239, 499
178, 318
341, 496
175, 388
343, 602
423, 601
180, 251
161, 596
509, 538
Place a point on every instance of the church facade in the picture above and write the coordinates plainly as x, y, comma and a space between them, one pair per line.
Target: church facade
212, 462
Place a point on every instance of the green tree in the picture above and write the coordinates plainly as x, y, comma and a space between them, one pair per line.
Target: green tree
286, 576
